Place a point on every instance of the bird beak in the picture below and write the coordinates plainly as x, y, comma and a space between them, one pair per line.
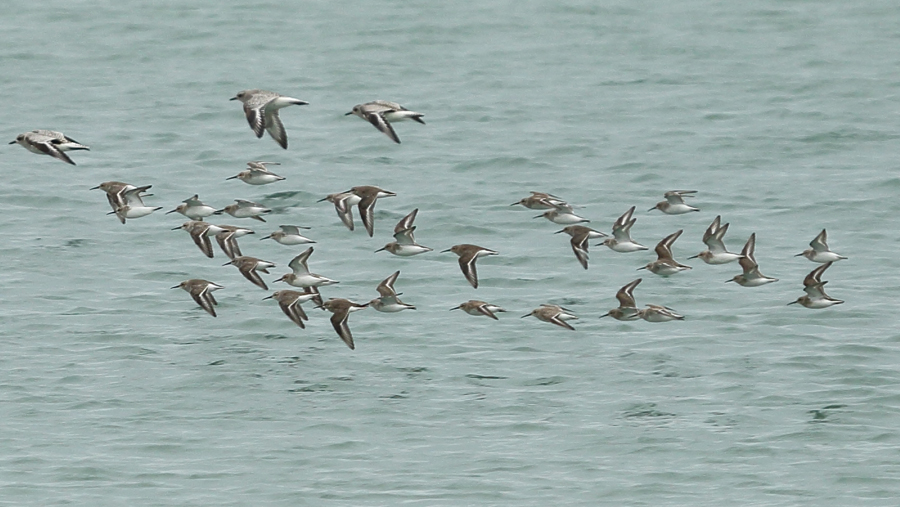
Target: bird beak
447, 250
269, 297
539, 216
176, 287
173, 211
643, 267
233, 98
92, 188
651, 209
176, 228
726, 281
557, 232
12, 142
604, 315
345, 114
454, 308
267, 237
380, 249
792, 302
693, 256
799, 254
231, 178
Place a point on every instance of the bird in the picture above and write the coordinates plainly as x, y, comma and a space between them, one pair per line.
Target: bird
193, 208
656, 313
476, 307
468, 254
716, 253
751, 277
201, 291
674, 203
200, 233
626, 309
261, 108
227, 239
343, 204
404, 244
131, 205
388, 300
553, 314
114, 192
49, 142
301, 277
367, 196
621, 231
248, 266
245, 209
541, 200
341, 309
815, 297
562, 214
382, 113
257, 174
580, 236
665, 264
819, 251
290, 300
289, 235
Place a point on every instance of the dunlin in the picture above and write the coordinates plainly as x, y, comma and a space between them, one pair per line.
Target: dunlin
404, 243
553, 314
382, 113
248, 266
114, 192
665, 264
751, 277
541, 200
621, 230
49, 142
200, 233
193, 208
289, 235
289, 301
261, 108
227, 239
819, 251
674, 203
301, 277
343, 204
626, 309
257, 174
201, 291
580, 236
656, 313
468, 254
341, 309
716, 252
132, 205
367, 196
388, 300
476, 307
562, 215
245, 209
815, 297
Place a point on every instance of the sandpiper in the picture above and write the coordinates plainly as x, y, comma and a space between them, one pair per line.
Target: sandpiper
553, 314
382, 113
674, 203
245, 209
367, 196
468, 254
301, 277
201, 291
248, 266
343, 204
404, 243
716, 252
388, 300
200, 232
476, 307
227, 239
289, 235
114, 192
132, 206
656, 313
261, 108
257, 174
580, 236
341, 309
193, 208
665, 264
815, 297
626, 309
621, 230
751, 277
49, 142
290, 300
820, 251
541, 200
562, 215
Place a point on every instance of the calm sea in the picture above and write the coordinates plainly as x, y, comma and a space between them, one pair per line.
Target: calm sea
783, 115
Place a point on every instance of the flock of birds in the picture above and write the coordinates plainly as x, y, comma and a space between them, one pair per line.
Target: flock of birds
261, 110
